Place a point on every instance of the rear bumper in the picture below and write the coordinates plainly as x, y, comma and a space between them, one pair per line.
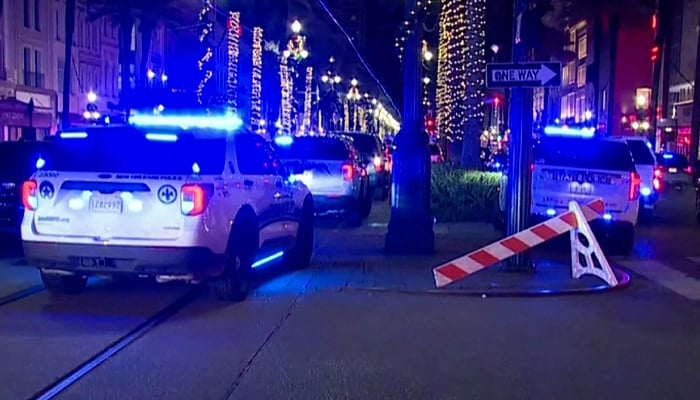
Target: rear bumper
601, 228
325, 204
102, 259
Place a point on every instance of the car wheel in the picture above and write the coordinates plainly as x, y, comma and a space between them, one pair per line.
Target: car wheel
299, 257
63, 284
234, 283
365, 207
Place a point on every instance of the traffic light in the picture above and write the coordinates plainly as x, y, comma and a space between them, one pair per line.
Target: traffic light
655, 53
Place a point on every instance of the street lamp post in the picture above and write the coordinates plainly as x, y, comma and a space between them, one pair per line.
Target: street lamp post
410, 228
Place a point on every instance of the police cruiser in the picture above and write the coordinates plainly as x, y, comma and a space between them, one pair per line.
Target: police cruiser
574, 164
174, 197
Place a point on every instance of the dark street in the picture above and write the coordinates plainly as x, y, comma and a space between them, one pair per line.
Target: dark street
307, 335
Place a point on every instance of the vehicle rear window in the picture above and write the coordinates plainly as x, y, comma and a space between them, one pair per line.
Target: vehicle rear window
672, 160
366, 143
126, 150
584, 153
641, 153
313, 148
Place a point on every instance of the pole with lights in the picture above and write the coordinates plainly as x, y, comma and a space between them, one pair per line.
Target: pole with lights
287, 86
308, 91
410, 228
232, 41
204, 63
256, 84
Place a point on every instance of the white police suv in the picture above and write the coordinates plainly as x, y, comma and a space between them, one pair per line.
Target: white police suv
571, 164
174, 197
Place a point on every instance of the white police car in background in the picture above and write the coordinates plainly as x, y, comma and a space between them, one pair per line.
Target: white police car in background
178, 198
333, 170
571, 164
647, 167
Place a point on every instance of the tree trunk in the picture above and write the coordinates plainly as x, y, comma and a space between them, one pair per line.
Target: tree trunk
695, 119
67, 68
126, 26
614, 28
146, 27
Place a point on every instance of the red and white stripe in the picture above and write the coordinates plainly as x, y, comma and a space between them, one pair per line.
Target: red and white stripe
498, 251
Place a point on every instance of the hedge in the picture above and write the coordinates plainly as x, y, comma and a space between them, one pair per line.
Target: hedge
459, 195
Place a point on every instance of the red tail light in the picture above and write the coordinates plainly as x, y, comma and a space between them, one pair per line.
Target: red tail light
532, 167
657, 184
658, 172
29, 195
193, 199
635, 184
348, 172
688, 170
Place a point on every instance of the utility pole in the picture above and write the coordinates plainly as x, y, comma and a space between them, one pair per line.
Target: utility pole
67, 64
410, 228
520, 113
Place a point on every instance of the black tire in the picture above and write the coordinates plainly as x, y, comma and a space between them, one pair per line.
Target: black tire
625, 241
299, 257
365, 206
64, 284
234, 283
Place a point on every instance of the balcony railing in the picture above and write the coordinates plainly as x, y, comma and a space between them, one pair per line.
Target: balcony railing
33, 79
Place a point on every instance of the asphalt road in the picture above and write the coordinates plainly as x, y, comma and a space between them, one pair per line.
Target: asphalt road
293, 339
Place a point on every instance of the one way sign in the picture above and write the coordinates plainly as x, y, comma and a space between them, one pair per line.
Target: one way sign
530, 74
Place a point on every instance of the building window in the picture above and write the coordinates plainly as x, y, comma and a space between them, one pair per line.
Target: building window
582, 46
37, 19
26, 14
581, 76
604, 99
61, 69
27, 64
38, 76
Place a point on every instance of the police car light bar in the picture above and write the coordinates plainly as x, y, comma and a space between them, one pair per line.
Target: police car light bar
222, 122
284, 140
567, 131
667, 156
161, 137
73, 135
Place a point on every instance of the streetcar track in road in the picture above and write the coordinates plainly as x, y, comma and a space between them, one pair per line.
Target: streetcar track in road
22, 294
63, 383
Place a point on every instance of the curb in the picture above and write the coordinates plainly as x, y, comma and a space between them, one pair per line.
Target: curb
624, 281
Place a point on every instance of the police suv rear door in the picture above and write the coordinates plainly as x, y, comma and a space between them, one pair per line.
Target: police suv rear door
582, 169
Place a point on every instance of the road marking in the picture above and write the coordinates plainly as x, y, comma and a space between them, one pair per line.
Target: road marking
665, 276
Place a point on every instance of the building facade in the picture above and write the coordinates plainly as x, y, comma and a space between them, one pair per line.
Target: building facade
33, 64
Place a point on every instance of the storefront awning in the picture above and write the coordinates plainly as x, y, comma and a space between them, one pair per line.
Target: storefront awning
17, 113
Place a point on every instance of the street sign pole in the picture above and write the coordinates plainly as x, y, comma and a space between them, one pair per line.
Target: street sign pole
519, 177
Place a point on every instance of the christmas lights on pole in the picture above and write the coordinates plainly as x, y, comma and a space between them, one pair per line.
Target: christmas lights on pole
204, 63
287, 86
233, 38
256, 85
308, 91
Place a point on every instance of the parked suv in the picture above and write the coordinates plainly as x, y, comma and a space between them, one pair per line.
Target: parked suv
647, 167
205, 202
334, 172
374, 158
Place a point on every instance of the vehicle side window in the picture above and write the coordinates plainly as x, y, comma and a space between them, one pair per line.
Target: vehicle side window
276, 163
254, 155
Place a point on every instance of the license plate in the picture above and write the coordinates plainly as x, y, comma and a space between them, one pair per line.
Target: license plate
673, 170
109, 205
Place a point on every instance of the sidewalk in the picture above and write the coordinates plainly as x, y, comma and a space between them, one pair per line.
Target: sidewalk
355, 259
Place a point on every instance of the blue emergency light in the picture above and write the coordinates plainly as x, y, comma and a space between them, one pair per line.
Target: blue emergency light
161, 137
284, 140
667, 156
73, 135
569, 132
228, 122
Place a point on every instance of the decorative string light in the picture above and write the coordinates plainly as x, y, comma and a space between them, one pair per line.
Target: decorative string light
475, 62
233, 37
256, 86
204, 62
287, 89
363, 120
452, 67
346, 116
422, 8
307, 97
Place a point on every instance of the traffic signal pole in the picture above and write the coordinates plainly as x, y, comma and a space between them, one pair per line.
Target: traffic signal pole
520, 112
